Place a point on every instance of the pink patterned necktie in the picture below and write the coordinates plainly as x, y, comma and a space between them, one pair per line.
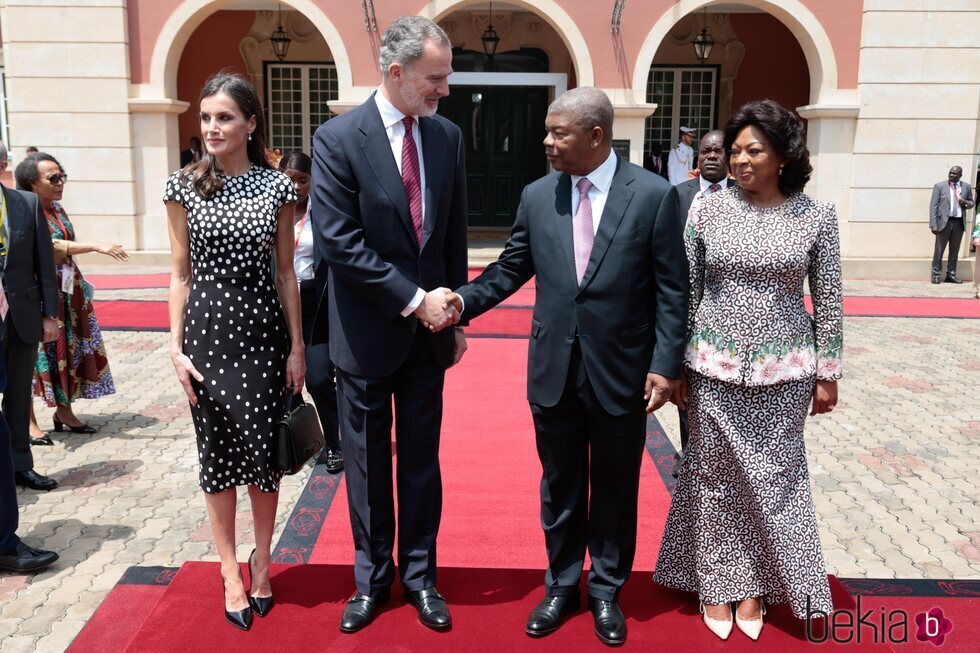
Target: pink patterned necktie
411, 177
714, 188
583, 230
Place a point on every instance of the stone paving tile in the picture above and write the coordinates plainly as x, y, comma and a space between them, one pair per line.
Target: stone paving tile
893, 470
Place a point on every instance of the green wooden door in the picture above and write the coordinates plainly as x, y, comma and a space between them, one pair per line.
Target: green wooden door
503, 127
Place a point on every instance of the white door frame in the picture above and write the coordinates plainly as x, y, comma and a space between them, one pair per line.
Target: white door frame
557, 81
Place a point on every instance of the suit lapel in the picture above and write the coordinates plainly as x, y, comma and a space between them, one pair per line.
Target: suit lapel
377, 149
434, 156
617, 202
563, 221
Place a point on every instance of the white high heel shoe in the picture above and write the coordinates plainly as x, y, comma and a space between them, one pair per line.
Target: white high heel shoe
720, 627
751, 627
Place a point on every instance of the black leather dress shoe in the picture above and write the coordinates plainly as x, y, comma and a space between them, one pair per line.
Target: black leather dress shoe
334, 459
360, 611
433, 610
952, 278
547, 615
33, 480
610, 624
935, 280
43, 441
26, 558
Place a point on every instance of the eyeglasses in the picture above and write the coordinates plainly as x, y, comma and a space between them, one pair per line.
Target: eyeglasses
57, 178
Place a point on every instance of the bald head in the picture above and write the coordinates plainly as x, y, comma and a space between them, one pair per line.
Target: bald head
712, 161
955, 173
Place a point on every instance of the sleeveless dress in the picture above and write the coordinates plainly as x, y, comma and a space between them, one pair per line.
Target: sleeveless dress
234, 329
75, 365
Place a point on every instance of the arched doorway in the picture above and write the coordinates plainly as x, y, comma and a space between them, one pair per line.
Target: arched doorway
500, 103
755, 56
295, 92
160, 121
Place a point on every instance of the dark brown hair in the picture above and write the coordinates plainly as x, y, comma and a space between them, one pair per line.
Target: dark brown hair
784, 130
204, 174
297, 160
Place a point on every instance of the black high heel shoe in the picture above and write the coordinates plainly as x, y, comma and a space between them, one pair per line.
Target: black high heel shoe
84, 428
43, 441
262, 605
241, 619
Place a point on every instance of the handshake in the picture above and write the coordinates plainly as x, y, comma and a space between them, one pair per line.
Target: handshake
439, 308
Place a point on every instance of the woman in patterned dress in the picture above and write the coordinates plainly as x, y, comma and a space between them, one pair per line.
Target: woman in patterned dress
236, 337
75, 365
742, 526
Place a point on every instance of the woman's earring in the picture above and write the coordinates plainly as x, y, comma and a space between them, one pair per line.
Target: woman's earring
780, 167
250, 140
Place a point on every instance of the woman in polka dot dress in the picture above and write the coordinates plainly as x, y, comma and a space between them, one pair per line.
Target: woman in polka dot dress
236, 350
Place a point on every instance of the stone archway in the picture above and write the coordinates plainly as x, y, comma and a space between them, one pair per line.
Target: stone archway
810, 34
550, 12
154, 110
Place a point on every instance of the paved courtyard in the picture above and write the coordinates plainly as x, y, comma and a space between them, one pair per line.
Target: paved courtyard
894, 469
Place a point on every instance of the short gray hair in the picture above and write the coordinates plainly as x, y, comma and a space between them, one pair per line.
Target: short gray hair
588, 106
3, 152
404, 41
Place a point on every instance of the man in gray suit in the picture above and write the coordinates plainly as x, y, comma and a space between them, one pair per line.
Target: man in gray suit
607, 343
947, 212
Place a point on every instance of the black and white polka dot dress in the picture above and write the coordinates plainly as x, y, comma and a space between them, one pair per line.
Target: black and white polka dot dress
234, 330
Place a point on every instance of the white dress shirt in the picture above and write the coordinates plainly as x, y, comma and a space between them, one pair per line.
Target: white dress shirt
303, 256
392, 118
601, 179
955, 210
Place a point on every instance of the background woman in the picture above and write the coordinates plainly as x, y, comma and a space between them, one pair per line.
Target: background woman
75, 365
234, 351
742, 527
319, 368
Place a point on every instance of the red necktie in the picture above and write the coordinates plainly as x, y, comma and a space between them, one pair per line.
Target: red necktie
411, 177
714, 188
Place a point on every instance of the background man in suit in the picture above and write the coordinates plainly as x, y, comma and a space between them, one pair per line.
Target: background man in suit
947, 212
713, 165
192, 154
27, 271
607, 341
14, 554
389, 216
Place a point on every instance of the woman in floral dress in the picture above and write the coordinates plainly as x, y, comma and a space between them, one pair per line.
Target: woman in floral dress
75, 365
742, 527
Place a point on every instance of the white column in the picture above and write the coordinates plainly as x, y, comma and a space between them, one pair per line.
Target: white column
155, 130
830, 139
67, 72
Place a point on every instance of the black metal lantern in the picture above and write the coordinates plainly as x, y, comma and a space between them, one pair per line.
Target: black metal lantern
280, 40
703, 42
490, 38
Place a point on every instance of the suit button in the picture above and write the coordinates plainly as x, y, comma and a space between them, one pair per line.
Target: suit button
571, 336
579, 300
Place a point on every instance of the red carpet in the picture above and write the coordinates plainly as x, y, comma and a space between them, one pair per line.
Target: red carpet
128, 281
489, 610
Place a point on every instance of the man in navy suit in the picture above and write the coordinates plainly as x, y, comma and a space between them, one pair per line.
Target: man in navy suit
31, 287
389, 216
14, 554
607, 343
713, 177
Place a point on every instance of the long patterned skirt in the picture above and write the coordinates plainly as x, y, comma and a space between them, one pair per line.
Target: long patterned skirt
75, 365
742, 522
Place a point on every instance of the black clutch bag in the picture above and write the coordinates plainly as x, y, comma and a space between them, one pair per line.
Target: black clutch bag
297, 438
